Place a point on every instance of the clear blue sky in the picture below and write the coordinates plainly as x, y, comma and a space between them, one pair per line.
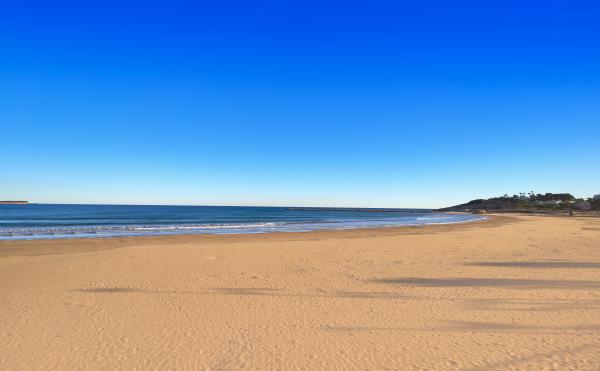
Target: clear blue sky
339, 103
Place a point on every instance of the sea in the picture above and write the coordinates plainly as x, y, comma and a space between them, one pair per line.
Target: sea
50, 221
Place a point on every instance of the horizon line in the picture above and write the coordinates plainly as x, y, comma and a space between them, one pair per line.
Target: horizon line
205, 205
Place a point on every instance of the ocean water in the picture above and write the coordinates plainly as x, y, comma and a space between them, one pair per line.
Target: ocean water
45, 221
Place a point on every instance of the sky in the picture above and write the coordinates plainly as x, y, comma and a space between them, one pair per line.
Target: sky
324, 103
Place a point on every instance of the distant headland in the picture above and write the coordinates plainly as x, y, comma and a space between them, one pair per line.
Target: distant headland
529, 202
14, 202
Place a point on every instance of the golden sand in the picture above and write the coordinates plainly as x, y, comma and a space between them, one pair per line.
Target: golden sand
507, 293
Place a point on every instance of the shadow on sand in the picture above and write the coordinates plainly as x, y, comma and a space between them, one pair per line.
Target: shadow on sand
512, 283
538, 264
247, 291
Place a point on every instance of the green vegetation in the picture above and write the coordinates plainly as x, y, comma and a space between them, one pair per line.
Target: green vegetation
531, 201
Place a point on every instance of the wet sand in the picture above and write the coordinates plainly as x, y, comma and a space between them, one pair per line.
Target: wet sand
508, 293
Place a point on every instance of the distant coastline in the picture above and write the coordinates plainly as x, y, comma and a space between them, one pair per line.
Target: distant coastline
20, 202
549, 203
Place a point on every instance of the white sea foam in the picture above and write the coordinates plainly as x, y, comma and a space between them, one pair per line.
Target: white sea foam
205, 226
25, 233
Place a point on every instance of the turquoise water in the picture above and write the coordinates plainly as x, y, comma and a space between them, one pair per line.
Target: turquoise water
44, 221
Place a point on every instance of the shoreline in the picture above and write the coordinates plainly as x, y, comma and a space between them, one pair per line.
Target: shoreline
33, 247
180, 233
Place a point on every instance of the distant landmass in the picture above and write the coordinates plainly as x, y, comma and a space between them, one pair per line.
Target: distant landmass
529, 202
13, 202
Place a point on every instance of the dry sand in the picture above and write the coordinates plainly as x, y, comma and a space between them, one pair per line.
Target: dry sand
508, 293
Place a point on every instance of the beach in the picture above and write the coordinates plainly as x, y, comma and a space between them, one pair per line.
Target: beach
509, 292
